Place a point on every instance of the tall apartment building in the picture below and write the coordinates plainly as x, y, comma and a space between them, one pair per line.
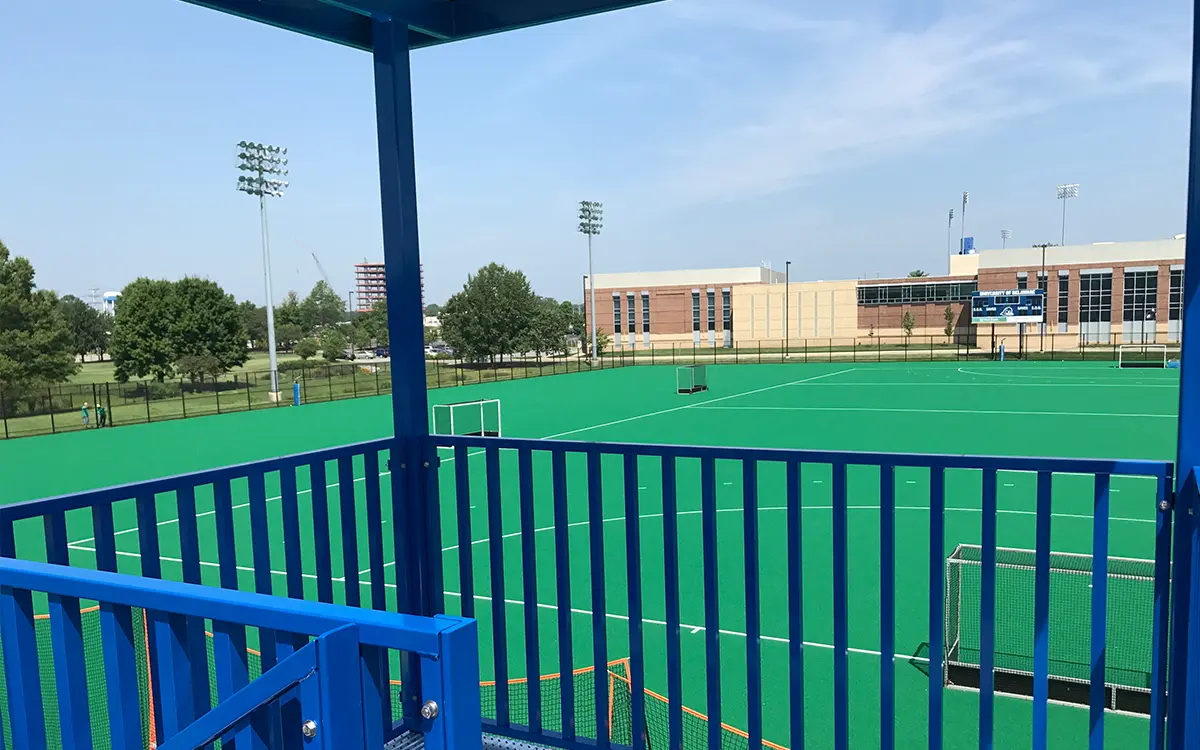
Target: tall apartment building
370, 285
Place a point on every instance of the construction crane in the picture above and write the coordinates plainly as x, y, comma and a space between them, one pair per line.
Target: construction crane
349, 295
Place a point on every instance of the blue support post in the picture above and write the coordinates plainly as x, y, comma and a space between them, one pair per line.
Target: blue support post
412, 454
1185, 665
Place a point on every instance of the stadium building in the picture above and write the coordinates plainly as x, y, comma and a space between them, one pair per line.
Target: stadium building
1103, 293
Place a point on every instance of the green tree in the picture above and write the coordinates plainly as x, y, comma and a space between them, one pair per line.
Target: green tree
433, 311
287, 335
948, 316
908, 322
288, 312
199, 366
35, 340
374, 323
141, 344
205, 321
490, 316
87, 324
549, 328
432, 334
254, 320
306, 348
322, 307
333, 344
917, 274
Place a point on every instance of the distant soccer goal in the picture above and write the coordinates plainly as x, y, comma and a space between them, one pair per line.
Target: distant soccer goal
480, 418
691, 379
1145, 355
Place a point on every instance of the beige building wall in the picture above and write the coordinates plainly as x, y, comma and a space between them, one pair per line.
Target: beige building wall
815, 309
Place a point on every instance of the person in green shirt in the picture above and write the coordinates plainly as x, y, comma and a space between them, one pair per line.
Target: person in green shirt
85, 413
101, 415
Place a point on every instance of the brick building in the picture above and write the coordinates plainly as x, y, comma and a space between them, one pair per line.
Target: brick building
370, 285
1128, 292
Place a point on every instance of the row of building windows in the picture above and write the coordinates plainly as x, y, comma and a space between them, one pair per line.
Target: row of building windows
726, 310
929, 291
632, 312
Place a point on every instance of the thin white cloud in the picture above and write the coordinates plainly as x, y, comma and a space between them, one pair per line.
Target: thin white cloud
840, 92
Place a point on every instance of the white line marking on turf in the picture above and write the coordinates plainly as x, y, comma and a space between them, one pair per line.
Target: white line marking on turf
875, 409
1090, 379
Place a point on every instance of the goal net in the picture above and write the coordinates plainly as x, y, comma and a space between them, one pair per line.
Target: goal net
468, 418
691, 379
1130, 612
1144, 355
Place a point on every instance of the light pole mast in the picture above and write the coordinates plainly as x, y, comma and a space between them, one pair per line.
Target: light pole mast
787, 278
1065, 193
1005, 236
949, 241
590, 215
265, 165
962, 223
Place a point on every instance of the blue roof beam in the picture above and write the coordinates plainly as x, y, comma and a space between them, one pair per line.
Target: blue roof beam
430, 22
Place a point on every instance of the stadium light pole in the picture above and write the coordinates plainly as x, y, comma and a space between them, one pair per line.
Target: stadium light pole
1045, 294
1005, 236
1065, 193
265, 165
787, 279
962, 223
591, 214
949, 240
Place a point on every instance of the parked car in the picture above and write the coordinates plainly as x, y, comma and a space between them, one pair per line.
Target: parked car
382, 352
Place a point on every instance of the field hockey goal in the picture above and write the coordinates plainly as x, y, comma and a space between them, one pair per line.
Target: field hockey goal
1145, 355
691, 379
480, 418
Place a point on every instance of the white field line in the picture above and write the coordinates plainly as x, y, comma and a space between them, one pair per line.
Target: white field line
331, 485
1071, 380
990, 384
943, 411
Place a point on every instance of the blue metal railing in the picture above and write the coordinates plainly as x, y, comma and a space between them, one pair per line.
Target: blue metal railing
519, 484
338, 681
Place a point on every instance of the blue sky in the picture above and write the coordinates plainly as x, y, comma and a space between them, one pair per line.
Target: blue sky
717, 133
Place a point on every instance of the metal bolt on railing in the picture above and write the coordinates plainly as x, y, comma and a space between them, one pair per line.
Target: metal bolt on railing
429, 710
309, 729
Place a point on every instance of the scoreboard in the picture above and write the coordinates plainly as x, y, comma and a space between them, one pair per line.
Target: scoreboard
1008, 306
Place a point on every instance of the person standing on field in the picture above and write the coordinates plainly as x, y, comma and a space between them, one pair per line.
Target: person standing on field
85, 413
101, 415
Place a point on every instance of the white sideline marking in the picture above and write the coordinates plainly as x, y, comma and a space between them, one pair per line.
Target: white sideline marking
943, 411
547, 437
1090, 379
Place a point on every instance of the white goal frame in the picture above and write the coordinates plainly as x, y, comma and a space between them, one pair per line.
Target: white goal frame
480, 405
1143, 349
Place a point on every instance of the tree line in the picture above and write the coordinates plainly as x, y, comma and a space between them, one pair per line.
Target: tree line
192, 328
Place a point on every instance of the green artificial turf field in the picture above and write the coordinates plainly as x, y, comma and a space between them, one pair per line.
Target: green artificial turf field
1038, 409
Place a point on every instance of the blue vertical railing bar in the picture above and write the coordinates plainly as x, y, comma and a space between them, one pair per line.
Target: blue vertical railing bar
25, 709
566, 659
148, 553
712, 620
175, 678
349, 524
1162, 614
1181, 593
795, 535
1041, 610
887, 607
66, 638
374, 525
753, 608
841, 641
599, 607
196, 643
671, 590
529, 584
462, 493
290, 510
633, 569
320, 516
499, 611
435, 588
116, 630
260, 553
937, 614
1191, 709
1099, 610
987, 615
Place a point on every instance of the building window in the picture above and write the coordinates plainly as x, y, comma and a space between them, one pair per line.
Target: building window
645, 312
1022, 281
695, 311
1095, 298
726, 311
1175, 307
918, 293
632, 315
616, 313
1141, 295
1043, 283
712, 310
1064, 296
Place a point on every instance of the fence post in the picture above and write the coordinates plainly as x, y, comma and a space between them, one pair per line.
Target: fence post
4, 413
931, 348
329, 381
354, 379
146, 393
249, 388
217, 392
95, 400
50, 408
182, 398
806, 351
108, 404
